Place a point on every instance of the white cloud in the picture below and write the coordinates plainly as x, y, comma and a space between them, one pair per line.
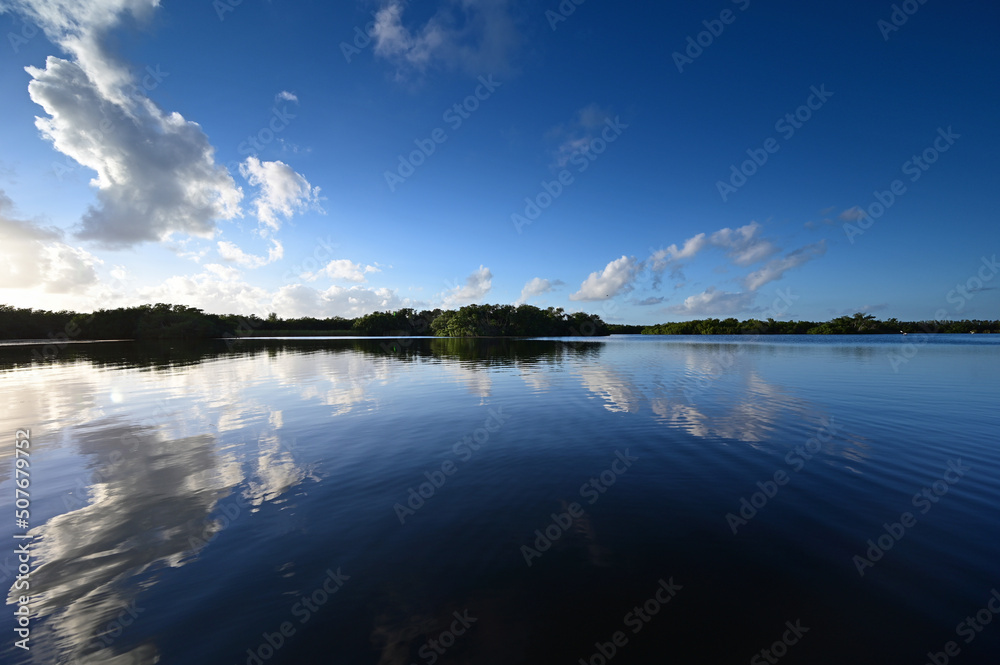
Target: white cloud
617, 277
477, 36
297, 300
714, 303
690, 248
156, 173
218, 289
81, 28
284, 95
537, 287
344, 269
33, 257
283, 191
743, 245
477, 285
229, 251
775, 269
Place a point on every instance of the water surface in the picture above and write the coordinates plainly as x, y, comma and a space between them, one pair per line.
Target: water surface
508, 501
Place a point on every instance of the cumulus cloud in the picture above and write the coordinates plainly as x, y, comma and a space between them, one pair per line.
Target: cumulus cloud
156, 173
35, 257
537, 287
286, 96
297, 300
744, 246
775, 269
283, 192
344, 269
475, 36
229, 251
223, 289
81, 29
218, 288
617, 277
155, 170
477, 285
713, 303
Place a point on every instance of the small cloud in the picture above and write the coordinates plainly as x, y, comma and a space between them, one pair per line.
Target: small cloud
617, 277
343, 269
283, 192
853, 214
477, 285
650, 301
712, 302
286, 96
537, 287
775, 269
743, 245
231, 253
575, 137
477, 36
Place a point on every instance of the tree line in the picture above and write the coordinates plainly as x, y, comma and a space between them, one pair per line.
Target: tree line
857, 324
164, 321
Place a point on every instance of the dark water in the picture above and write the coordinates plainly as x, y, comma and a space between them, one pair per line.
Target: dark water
205, 505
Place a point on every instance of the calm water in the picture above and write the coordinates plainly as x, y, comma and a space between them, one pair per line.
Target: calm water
546, 501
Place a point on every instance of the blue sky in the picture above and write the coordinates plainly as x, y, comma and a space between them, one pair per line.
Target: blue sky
646, 163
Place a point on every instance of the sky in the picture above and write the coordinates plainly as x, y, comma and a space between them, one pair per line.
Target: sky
646, 162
